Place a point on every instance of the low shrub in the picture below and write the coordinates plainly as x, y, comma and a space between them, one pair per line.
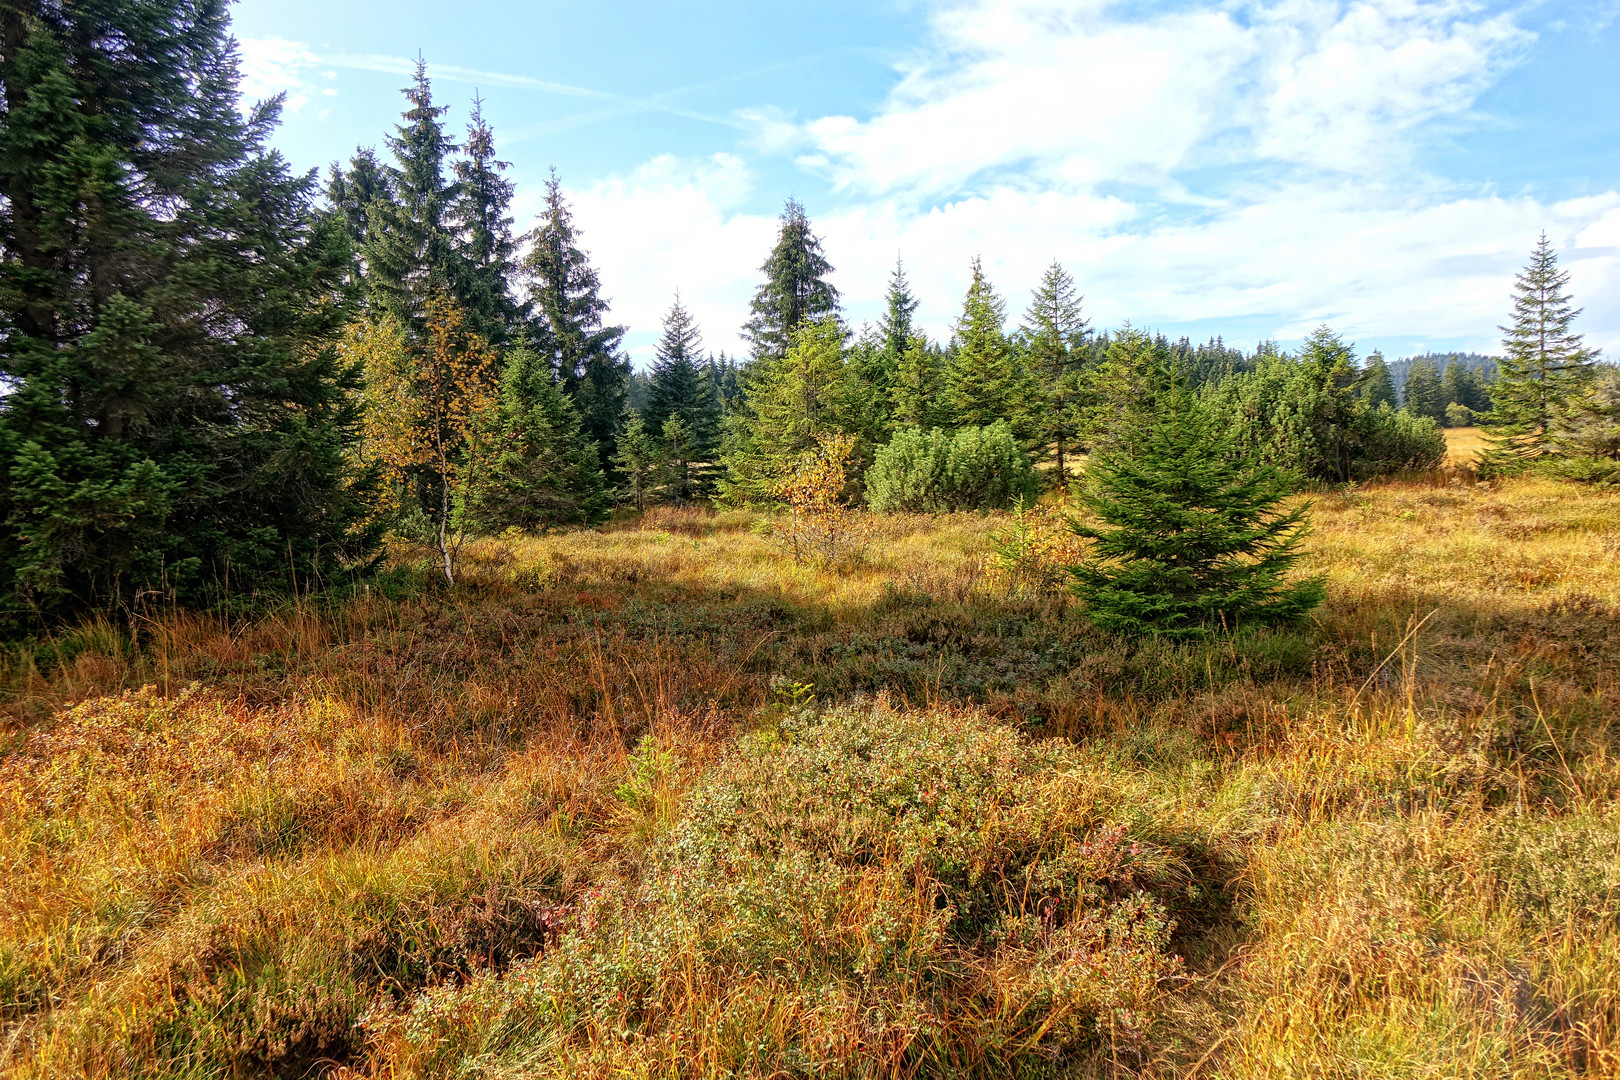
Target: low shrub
1395, 440
977, 468
864, 892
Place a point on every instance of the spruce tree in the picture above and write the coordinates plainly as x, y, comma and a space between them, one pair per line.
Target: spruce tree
569, 314
543, 472
917, 393
894, 325
638, 460
1545, 370
410, 249
1193, 539
682, 464
985, 380
1119, 387
1055, 334
725, 378
1461, 385
1324, 403
790, 403
1375, 387
353, 195
1588, 435
173, 417
680, 389
1423, 394
483, 226
795, 290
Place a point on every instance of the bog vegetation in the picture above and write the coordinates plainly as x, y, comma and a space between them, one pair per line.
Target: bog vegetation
397, 684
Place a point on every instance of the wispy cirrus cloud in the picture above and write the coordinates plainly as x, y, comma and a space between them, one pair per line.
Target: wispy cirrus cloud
276, 65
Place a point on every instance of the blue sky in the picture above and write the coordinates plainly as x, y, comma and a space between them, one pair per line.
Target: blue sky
1251, 169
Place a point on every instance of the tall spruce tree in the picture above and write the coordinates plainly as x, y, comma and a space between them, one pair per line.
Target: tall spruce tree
480, 217
411, 253
569, 313
680, 389
174, 418
353, 194
984, 380
795, 290
1545, 370
1374, 385
1461, 385
1194, 539
894, 325
1055, 333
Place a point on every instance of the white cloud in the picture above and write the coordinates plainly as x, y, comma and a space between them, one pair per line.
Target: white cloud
1244, 162
672, 225
1081, 92
272, 66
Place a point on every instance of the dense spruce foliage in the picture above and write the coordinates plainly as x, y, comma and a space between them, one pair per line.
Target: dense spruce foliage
174, 419
1192, 538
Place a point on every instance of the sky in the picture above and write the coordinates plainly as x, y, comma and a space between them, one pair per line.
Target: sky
1247, 169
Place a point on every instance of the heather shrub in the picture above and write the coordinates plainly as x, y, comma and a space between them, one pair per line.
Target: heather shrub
864, 892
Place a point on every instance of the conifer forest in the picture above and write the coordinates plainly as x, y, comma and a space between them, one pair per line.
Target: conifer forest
396, 681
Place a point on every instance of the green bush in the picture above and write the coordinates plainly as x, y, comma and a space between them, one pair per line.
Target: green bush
1301, 414
1396, 440
908, 474
986, 470
978, 468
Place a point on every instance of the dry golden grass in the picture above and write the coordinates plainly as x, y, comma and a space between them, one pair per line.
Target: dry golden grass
658, 801
1464, 446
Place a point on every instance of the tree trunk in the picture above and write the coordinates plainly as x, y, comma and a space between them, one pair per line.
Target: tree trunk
444, 530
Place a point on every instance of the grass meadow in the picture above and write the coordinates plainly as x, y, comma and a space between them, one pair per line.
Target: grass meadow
654, 801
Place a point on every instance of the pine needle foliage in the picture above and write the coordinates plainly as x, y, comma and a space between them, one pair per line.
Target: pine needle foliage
542, 472
1544, 370
1055, 334
1194, 540
172, 415
795, 290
